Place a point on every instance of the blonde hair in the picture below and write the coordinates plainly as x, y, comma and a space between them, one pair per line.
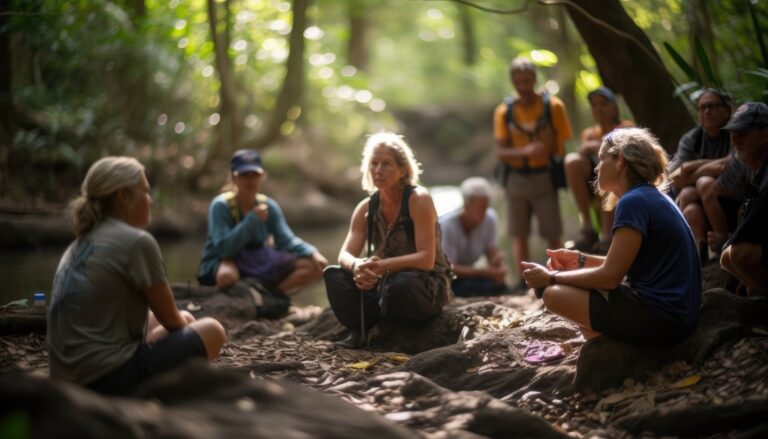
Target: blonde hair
103, 180
403, 157
646, 160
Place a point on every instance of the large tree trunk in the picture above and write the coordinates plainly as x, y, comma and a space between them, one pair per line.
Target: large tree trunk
7, 110
630, 66
357, 47
293, 84
230, 128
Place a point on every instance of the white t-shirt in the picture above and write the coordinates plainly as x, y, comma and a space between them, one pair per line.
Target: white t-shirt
463, 248
98, 312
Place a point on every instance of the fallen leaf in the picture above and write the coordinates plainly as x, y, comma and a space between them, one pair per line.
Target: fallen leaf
362, 365
398, 358
193, 307
686, 382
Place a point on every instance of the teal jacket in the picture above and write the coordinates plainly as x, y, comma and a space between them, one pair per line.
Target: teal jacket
226, 238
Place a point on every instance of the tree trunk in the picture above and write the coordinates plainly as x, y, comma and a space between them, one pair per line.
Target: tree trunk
357, 49
7, 110
136, 79
468, 37
230, 128
630, 66
699, 26
293, 84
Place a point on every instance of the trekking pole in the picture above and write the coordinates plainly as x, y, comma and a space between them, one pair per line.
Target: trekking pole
362, 316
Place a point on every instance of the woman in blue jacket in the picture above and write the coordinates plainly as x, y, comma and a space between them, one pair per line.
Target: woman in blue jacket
249, 237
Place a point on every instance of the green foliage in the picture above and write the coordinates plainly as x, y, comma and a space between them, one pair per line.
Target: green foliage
93, 77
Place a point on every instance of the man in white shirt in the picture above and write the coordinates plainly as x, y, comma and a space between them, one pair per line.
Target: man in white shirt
469, 233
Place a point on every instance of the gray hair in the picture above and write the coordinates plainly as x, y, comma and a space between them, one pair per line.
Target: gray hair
646, 160
97, 193
403, 157
521, 64
475, 187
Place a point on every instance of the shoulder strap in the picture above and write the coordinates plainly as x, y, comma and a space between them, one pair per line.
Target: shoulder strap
234, 209
373, 206
544, 120
546, 113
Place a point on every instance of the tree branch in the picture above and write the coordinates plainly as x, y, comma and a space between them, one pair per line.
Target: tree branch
493, 10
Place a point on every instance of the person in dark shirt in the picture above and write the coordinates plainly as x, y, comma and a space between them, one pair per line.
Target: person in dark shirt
746, 253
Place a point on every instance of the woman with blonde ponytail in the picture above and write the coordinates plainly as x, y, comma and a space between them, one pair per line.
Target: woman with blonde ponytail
647, 289
113, 321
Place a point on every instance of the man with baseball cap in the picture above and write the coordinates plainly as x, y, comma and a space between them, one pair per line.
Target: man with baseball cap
580, 170
746, 253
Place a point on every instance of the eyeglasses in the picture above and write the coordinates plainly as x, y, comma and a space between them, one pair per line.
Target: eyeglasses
710, 107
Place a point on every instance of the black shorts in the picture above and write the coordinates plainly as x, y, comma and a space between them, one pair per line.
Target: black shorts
622, 315
151, 359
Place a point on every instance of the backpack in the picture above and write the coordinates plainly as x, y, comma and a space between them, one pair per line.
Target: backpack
556, 163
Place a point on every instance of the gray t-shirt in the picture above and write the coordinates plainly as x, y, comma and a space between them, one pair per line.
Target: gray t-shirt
98, 312
463, 248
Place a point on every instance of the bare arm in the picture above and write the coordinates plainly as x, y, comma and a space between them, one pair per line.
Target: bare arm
424, 217
622, 253
163, 305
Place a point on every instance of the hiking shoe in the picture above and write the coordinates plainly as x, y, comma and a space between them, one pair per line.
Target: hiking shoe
353, 341
584, 240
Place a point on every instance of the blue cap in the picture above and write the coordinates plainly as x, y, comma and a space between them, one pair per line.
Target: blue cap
751, 114
246, 160
39, 296
604, 92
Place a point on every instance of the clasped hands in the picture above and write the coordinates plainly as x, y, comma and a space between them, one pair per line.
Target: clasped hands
367, 272
537, 275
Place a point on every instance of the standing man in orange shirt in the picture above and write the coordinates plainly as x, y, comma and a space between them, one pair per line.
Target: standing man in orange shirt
529, 129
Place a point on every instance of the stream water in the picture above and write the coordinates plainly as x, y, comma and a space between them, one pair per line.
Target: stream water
24, 272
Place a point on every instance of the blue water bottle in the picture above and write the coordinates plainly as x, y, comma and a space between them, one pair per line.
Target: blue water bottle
38, 300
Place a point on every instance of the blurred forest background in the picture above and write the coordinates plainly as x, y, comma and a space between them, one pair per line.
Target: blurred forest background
182, 84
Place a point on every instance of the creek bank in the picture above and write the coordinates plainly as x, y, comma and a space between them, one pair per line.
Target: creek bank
469, 372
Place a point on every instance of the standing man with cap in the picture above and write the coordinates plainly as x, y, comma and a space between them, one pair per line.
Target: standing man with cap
580, 167
469, 233
745, 255
529, 129
242, 224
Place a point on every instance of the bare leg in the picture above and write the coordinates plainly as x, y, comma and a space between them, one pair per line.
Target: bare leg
572, 304
227, 274
710, 191
697, 219
211, 332
156, 331
743, 260
303, 274
522, 253
577, 175
606, 221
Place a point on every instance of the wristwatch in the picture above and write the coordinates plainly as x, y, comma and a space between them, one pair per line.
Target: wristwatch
553, 278
582, 259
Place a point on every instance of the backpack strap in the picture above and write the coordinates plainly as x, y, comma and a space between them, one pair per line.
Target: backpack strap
234, 209
373, 207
